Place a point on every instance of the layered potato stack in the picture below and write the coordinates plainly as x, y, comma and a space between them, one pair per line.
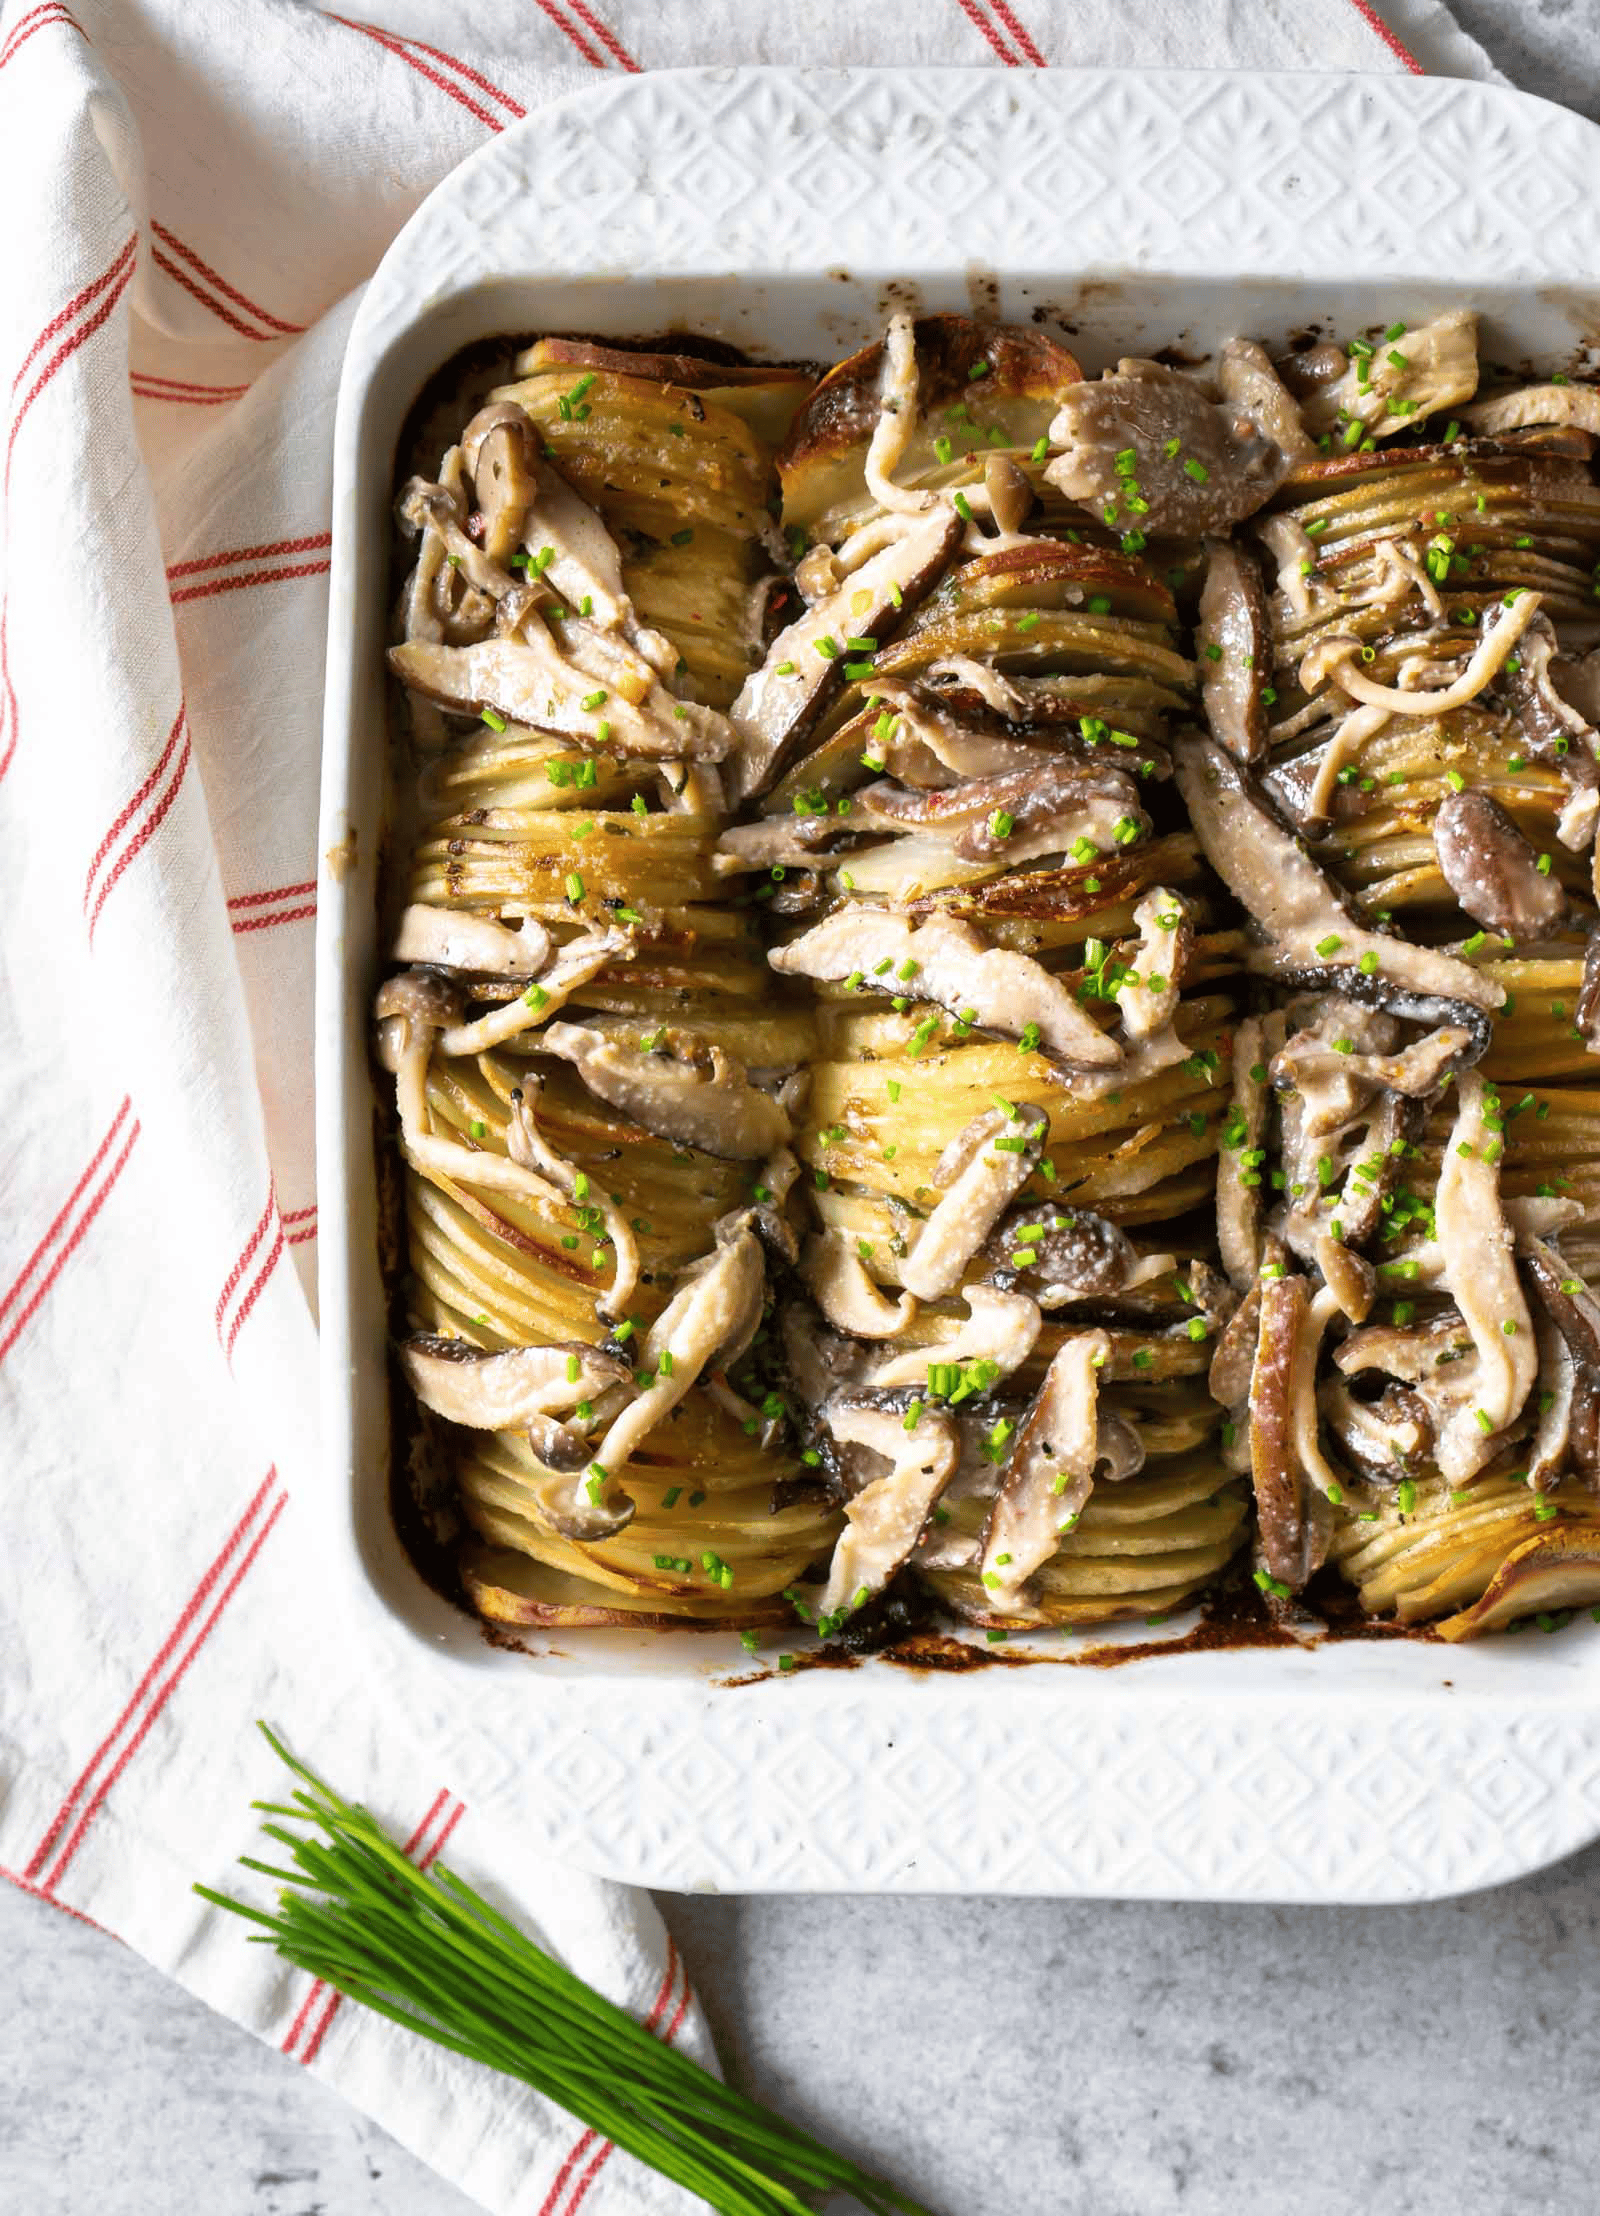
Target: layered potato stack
931, 1069
997, 770
1431, 565
649, 477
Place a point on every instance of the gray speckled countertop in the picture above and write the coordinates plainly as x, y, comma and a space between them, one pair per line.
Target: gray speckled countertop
1039, 2058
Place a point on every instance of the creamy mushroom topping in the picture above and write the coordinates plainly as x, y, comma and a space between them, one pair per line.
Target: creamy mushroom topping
897, 422
780, 842
1058, 1254
682, 1088
1049, 1474
948, 962
1011, 494
1240, 1182
409, 1026
1385, 1439
1260, 401
1047, 808
984, 1166
1555, 729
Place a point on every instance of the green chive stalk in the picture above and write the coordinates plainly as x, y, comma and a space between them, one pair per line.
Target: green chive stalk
425, 1950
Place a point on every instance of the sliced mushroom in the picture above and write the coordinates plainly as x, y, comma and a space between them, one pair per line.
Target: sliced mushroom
1289, 896
769, 1214
1233, 1364
689, 1091
527, 1144
412, 1010
526, 503
897, 421
982, 1168
1336, 1078
952, 965
1337, 659
710, 1320
1393, 382
1189, 464
1558, 1386
1235, 650
1397, 1124
573, 965
844, 1289
1555, 1569
1529, 404
779, 702
1147, 998
530, 680
1011, 495
1480, 1270
1043, 809
1050, 1471
1240, 1182
1493, 870
942, 731
1260, 400
1057, 1254
1386, 1439
1568, 1302
1000, 1329
780, 842
1587, 1012
455, 939
502, 1392
1556, 727
1295, 1523
884, 1519
425, 998
499, 448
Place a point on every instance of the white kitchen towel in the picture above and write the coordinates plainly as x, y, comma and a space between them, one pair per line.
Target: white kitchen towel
193, 190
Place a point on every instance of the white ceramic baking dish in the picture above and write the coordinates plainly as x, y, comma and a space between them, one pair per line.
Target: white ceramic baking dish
785, 211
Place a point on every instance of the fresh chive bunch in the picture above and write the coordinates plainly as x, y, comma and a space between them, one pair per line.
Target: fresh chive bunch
425, 1950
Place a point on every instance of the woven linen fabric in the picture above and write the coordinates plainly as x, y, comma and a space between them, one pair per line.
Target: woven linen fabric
195, 191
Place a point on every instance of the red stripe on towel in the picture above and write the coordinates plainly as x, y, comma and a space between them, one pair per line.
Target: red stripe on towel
1381, 30
141, 838
319, 1989
255, 577
159, 1699
974, 14
587, 2139
391, 43
46, 16
176, 246
74, 1238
